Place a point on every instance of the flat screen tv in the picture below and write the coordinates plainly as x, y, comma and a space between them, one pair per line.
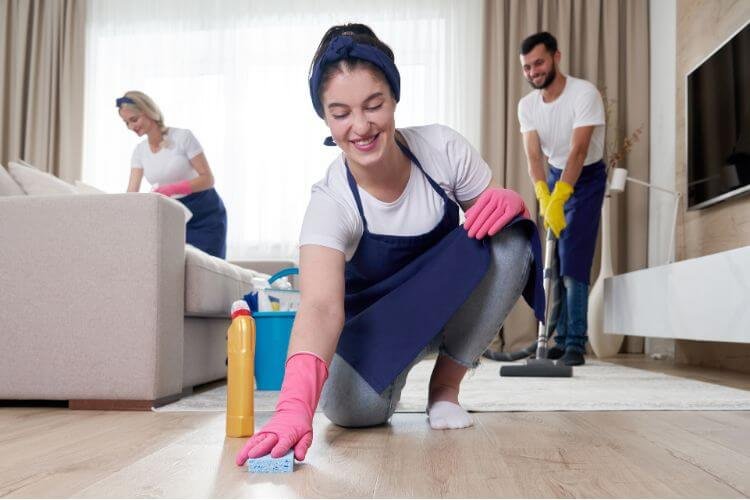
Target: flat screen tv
718, 124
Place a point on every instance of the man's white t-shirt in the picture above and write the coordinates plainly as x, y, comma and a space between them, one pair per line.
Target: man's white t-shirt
171, 163
579, 105
332, 219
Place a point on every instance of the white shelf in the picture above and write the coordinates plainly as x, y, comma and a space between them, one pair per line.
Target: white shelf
707, 298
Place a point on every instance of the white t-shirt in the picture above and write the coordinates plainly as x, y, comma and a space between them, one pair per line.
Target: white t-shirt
332, 219
169, 164
579, 105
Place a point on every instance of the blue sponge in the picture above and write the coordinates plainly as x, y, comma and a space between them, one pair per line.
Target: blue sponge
269, 464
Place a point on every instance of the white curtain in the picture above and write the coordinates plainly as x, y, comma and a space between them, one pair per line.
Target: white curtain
235, 73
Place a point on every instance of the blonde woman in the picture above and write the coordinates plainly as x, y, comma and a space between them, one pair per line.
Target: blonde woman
172, 160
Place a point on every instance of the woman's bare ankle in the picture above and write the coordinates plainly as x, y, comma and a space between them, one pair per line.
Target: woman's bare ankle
445, 381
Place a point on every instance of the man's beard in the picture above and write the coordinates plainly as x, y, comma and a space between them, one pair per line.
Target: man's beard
547, 81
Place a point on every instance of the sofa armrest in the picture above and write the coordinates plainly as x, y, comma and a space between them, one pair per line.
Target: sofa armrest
91, 297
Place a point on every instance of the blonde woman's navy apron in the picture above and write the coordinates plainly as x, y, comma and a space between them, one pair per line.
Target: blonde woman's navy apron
401, 290
207, 229
577, 242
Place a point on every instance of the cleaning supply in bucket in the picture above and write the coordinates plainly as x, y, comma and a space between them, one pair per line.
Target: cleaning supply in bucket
278, 299
240, 368
274, 294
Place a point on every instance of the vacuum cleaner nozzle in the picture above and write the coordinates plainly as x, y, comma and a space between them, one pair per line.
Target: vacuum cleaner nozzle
537, 368
541, 366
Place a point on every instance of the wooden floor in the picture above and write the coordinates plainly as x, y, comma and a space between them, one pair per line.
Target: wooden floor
62, 453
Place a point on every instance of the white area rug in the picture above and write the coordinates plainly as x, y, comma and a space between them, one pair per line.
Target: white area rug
597, 386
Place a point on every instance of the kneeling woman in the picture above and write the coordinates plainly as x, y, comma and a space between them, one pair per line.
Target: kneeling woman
387, 273
172, 159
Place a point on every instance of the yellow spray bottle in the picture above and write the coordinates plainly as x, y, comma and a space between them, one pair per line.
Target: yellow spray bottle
240, 366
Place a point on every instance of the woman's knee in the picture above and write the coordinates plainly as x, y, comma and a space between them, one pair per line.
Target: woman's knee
511, 247
349, 401
346, 415
354, 410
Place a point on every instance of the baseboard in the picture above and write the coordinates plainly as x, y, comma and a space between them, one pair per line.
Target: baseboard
722, 355
121, 404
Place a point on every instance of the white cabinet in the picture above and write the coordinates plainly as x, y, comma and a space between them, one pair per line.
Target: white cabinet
707, 298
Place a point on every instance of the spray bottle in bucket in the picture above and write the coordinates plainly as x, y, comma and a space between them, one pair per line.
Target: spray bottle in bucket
240, 366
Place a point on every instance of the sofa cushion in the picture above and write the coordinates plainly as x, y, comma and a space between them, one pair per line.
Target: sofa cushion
212, 284
9, 187
36, 182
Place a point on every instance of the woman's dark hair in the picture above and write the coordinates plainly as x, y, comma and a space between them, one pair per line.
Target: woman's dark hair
361, 34
545, 38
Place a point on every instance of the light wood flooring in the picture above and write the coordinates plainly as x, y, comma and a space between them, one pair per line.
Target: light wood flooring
63, 453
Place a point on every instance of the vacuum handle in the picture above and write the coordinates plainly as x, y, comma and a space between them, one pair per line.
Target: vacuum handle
549, 253
543, 333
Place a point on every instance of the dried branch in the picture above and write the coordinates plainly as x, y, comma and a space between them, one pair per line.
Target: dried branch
615, 154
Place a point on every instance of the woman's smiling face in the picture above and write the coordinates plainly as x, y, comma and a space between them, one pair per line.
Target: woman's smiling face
359, 110
136, 121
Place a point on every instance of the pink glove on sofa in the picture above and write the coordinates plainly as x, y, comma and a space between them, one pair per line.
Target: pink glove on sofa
291, 424
182, 187
492, 211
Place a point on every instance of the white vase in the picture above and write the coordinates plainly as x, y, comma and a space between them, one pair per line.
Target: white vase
603, 345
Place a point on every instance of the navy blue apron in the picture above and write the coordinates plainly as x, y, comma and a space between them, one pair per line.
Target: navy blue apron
207, 229
577, 242
402, 290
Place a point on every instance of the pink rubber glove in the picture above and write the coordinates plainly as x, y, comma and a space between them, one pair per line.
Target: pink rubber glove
182, 187
291, 424
492, 211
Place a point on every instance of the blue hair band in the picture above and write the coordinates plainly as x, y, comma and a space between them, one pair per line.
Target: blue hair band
344, 47
124, 100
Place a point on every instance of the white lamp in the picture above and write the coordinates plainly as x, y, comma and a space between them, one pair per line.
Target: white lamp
617, 185
608, 345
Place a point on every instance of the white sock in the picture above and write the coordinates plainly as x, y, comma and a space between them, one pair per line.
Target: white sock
447, 415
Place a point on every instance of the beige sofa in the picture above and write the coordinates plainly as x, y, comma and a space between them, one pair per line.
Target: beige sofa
103, 305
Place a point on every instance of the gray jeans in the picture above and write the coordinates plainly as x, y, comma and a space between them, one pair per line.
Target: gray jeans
349, 401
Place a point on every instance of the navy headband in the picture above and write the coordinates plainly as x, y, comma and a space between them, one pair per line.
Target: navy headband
344, 47
124, 100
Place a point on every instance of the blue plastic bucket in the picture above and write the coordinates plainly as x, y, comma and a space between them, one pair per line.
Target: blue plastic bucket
272, 332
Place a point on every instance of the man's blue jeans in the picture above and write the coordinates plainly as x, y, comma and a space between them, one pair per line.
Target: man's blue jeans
569, 313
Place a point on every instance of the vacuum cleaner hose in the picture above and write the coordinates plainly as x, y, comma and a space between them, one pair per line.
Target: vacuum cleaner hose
510, 356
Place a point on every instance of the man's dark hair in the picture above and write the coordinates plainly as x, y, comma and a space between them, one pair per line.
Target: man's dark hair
544, 37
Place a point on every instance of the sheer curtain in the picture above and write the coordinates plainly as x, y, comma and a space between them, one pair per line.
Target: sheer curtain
235, 73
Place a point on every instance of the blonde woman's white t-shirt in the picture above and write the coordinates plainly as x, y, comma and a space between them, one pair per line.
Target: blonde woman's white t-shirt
579, 105
332, 219
171, 163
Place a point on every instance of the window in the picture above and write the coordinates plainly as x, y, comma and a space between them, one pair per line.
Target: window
235, 73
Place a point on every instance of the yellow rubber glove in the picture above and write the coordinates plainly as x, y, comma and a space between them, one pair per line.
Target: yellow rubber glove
542, 194
555, 214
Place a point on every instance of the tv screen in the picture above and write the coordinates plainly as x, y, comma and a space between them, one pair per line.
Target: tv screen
718, 129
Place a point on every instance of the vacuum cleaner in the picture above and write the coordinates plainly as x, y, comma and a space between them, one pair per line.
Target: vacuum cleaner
540, 366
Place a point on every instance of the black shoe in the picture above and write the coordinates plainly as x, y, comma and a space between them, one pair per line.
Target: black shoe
555, 353
572, 358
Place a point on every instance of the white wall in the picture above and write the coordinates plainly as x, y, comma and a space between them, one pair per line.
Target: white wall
663, 88
663, 34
